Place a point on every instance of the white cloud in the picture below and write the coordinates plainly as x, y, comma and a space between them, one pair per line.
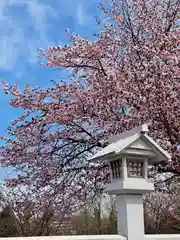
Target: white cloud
14, 41
80, 14
39, 13
9, 48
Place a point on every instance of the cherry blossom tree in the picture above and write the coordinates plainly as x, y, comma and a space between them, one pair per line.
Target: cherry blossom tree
128, 76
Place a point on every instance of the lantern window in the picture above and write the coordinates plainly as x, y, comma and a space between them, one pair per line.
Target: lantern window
135, 168
116, 168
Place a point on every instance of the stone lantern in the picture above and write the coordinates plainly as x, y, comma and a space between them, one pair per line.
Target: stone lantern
129, 156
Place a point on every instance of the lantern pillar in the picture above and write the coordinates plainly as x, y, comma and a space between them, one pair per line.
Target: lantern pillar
130, 216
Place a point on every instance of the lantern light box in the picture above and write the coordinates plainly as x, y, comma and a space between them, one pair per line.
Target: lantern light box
129, 156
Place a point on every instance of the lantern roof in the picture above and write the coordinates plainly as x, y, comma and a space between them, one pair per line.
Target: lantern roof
137, 142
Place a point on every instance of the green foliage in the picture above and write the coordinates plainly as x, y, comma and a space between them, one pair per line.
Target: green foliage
94, 221
7, 226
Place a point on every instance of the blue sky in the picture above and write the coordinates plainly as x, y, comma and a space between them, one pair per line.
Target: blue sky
25, 26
